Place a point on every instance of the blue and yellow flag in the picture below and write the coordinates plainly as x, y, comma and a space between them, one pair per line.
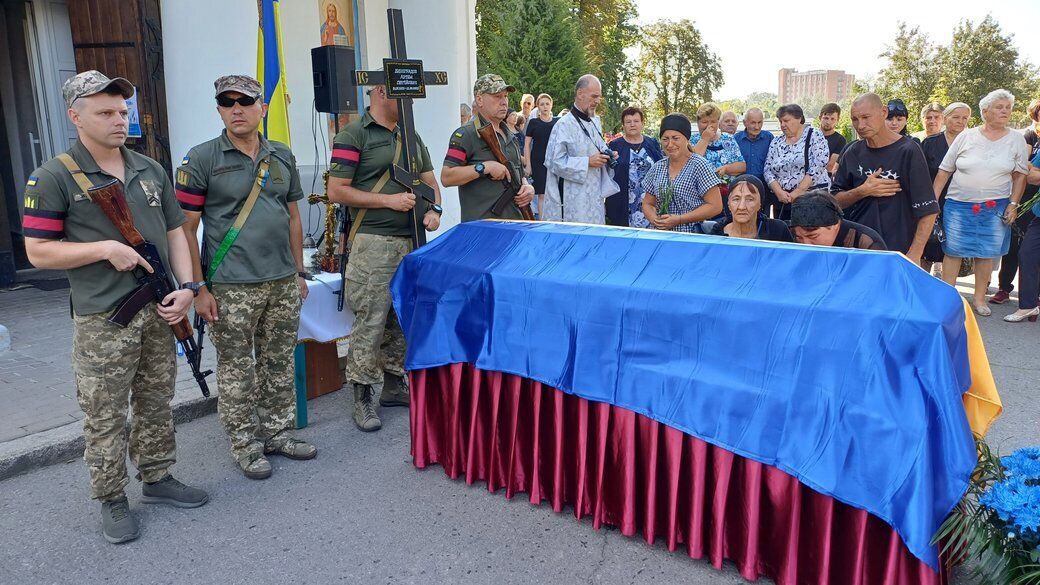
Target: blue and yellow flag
270, 71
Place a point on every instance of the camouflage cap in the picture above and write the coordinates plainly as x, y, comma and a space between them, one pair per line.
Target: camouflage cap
491, 83
243, 84
92, 82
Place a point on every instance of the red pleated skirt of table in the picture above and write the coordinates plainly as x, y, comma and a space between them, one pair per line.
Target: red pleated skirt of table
626, 470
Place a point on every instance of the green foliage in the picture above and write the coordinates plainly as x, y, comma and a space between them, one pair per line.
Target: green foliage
608, 28
533, 45
972, 535
912, 72
676, 70
978, 60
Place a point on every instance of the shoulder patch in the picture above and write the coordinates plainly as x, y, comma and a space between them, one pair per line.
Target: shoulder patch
31, 201
184, 161
182, 177
32, 181
459, 134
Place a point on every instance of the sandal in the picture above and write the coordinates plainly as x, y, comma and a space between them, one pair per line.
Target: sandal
983, 310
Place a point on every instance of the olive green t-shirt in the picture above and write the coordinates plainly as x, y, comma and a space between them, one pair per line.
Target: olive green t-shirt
478, 196
362, 152
215, 178
57, 209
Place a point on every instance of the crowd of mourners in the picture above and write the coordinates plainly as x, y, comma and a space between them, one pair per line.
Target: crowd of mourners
952, 198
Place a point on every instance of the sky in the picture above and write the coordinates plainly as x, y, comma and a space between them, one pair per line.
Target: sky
755, 39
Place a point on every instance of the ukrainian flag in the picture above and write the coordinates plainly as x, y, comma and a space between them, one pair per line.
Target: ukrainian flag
270, 72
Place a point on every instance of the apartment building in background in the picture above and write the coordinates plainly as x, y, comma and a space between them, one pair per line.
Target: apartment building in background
830, 84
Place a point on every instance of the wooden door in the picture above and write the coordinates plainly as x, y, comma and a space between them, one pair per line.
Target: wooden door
123, 38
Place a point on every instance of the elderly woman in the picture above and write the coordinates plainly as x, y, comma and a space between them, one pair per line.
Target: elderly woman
717, 146
745, 211
988, 165
728, 123
932, 117
636, 154
797, 160
681, 190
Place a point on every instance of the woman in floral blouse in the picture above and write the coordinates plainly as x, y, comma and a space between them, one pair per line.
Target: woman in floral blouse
797, 159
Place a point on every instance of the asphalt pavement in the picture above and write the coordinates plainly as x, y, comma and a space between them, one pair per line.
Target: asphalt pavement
361, 513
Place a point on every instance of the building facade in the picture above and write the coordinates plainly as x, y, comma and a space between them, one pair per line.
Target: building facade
830, 84
172, 50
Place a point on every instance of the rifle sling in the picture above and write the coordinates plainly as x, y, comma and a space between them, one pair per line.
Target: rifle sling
375, 189
263, 172
77, 173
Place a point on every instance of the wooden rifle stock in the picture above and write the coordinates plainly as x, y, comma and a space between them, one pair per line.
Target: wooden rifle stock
489, 135
110, 198
112, 201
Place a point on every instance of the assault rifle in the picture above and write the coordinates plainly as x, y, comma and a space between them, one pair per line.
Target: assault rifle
513, 181
152, 287
344, 255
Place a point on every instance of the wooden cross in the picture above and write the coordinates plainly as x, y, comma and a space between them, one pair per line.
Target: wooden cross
405, 80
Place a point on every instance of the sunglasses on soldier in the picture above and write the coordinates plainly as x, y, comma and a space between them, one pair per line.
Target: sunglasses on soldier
226, 101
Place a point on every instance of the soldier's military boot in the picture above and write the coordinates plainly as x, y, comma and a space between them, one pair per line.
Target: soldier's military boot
117, 523
170, 491
365, 416
395, 391
290, 447
255, 466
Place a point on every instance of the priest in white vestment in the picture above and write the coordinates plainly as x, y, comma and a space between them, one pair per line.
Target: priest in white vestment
575, 154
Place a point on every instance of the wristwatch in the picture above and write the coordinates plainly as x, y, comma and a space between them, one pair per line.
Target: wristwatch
436, 209
304, 275
193, 287
479, 167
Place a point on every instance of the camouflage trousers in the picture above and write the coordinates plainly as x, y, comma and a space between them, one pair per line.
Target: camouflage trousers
376, 340
255, 335
113, 365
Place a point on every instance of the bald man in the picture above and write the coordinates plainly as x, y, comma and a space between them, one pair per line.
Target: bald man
580, 166
882, 181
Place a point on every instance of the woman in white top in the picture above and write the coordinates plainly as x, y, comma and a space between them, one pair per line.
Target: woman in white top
988, 165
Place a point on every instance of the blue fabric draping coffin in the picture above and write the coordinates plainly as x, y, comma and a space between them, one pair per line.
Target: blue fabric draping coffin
844, 368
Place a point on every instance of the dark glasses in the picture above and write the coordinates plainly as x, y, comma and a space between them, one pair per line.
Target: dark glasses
228, 101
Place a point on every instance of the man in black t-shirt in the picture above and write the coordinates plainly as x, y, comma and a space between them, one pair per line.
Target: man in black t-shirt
883, 182
829, 115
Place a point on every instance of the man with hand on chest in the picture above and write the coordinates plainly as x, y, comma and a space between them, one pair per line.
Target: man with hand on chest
883, 182
245, 189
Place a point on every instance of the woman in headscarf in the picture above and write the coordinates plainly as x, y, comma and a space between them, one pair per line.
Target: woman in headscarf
682, 189
745, 211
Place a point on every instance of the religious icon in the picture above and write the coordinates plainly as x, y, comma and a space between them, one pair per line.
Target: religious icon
337, 25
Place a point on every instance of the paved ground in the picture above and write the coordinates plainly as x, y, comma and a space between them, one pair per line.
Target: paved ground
360, 513
36, 386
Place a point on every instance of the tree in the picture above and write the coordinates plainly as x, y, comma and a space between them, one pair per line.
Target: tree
607, 28
912, 73
980, 59
534, 46
676, 69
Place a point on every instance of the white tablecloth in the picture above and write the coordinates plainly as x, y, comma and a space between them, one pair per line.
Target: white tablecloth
319, 319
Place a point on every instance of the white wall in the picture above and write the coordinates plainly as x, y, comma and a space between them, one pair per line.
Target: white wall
204, 39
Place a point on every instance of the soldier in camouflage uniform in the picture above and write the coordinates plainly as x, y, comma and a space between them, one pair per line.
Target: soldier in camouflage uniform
256, 285
381, 211
470, 163
65, 230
